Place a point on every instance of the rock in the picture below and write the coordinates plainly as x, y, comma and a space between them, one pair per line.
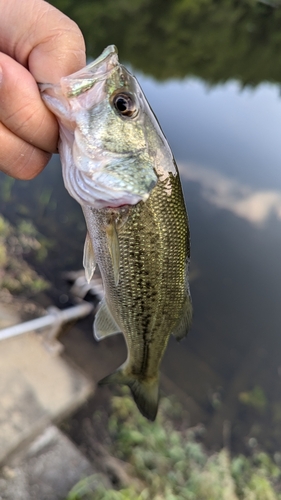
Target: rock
46, 470
36, 388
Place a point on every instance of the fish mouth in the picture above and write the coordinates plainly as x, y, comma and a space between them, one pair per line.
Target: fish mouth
108, 52
85, 79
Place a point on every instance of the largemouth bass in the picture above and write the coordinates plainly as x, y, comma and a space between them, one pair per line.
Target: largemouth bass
118, 165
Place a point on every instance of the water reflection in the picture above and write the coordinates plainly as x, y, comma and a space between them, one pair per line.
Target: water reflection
256, 206
231, 130
235, 343
173, 39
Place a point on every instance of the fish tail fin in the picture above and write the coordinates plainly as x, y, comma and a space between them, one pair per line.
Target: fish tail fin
146, 396
145, 393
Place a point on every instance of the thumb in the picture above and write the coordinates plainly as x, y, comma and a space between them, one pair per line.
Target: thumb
41, 38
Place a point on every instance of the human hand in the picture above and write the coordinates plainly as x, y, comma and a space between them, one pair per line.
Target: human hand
37, 44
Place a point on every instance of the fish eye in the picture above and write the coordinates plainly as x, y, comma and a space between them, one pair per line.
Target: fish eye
125, 104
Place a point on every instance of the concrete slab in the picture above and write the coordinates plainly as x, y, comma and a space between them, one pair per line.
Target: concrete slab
46, 470
8, 316
35, 389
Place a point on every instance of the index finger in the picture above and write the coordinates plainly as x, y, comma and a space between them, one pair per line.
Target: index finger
41, 38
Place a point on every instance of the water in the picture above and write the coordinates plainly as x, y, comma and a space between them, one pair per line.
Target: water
228, 149
226, 139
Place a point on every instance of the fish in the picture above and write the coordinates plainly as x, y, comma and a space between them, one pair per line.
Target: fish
117, 164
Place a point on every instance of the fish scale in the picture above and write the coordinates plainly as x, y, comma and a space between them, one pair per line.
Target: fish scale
152, 288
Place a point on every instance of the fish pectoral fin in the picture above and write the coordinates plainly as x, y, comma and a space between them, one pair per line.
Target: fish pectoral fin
89, 260
104, 324
113, 245
145, 393
183, 325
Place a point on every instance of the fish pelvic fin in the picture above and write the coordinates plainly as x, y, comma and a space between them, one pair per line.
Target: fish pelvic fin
89, 260
145, 393
113, 245
104, 324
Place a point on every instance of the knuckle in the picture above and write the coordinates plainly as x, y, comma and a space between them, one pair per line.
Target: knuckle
32, 165
25, 165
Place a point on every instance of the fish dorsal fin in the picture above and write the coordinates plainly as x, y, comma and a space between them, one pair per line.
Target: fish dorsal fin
89, 260
183, 325
113, 245
104, 324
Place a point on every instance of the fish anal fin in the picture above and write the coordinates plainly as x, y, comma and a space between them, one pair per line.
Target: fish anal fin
145, 393
104, 324
184, 323
113, 245
89, 260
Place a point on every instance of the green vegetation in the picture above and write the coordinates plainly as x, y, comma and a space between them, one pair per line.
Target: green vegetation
90, 489
216, 40
165, 461
254, 398
16, 275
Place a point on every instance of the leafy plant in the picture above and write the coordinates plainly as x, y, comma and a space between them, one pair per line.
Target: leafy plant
166, 462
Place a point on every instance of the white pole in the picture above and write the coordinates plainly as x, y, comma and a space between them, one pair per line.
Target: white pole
55, 315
